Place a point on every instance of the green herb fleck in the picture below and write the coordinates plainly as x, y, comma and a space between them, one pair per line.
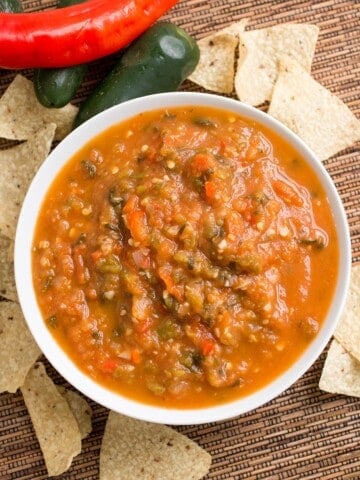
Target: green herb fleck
89, 168
52, 321
203, 122
317, 243
114, 199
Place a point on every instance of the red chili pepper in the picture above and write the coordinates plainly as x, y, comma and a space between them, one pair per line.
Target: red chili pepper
76, 34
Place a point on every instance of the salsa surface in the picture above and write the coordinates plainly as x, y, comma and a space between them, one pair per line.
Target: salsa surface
185, 257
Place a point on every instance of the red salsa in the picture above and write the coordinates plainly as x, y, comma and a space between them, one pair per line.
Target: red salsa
185, 257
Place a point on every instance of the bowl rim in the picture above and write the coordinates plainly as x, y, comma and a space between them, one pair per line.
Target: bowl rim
57, 356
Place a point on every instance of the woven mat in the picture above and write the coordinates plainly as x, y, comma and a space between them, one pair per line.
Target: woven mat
304, 433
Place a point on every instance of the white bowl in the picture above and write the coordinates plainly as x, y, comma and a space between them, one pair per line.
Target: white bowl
23, 265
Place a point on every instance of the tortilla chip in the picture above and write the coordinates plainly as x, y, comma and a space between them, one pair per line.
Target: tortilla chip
21, 114
348, 329
7, 277
133, 449
55, 426
80, 409
341, 372
18, 351
216, 68
320, 118
259, 52
235, 28
18, 167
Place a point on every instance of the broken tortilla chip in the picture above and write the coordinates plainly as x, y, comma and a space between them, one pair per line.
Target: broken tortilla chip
55, 426
21, 114
259, 52
80, 408
18, 351
216, 68
347, 331
18, 167
132, 449
320, 118
235, 28
341, 372
7, 277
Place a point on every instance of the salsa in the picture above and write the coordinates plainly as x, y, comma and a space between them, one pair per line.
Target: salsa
185, 257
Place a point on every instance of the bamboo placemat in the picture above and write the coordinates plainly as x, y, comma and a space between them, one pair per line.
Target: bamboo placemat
304, 433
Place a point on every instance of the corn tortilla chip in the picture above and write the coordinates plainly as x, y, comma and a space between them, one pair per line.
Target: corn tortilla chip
216, 68
18, 167
133, 449
348, 329
259, 52
341, 372
320, 118
18, 351
21, 114
55, 426
7, 278
235, 28
80, 409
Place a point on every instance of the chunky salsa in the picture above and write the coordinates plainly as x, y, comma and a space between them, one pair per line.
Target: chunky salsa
185, 257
